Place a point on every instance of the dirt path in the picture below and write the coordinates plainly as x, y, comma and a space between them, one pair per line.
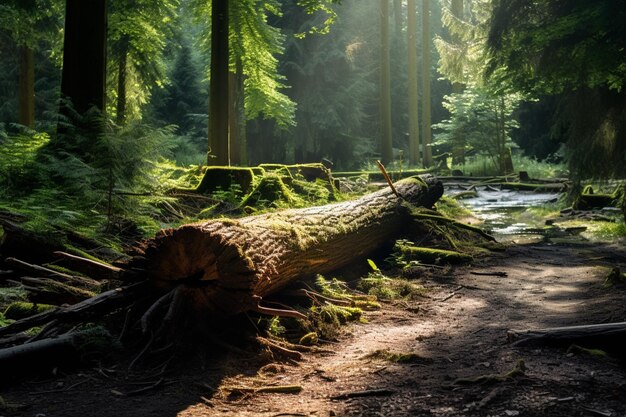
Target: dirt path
458, 332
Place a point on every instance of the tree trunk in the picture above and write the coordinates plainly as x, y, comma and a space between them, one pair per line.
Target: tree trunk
385, 85
27, 87
414, 151
236, 116
218, 98
397, 17
227, 265
426, 133
121, 83
84, 55
456, 7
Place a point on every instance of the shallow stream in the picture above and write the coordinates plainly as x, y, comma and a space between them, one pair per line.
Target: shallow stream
503, 212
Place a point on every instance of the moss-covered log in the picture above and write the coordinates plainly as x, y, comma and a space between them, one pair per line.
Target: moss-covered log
589, 200
226, 265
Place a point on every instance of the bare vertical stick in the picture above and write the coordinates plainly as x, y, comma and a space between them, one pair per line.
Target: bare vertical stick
384, 171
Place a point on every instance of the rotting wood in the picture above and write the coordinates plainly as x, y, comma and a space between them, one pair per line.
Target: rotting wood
101, 303
17, 360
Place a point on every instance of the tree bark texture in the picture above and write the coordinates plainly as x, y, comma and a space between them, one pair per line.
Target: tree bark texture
414, 151
227, 264
27, 87
456, 7
236, 116
426, 132
84, 54
385, 85
122, 71
218, 97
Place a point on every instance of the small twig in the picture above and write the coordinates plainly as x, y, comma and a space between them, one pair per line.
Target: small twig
292, 354
277, 312
59, 390
366, 393
146, 318
138, 391
108, 270
277, 389
489, 397
384, 171
449, 296
490, 274
596, 412
314, 295
378, 370
143, 351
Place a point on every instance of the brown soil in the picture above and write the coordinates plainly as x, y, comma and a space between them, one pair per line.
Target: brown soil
458, 331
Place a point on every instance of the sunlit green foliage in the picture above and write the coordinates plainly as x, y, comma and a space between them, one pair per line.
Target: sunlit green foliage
482, 121
574, 48
481, 116
256, 43
555, 45
138, 31
30, 21
59, 187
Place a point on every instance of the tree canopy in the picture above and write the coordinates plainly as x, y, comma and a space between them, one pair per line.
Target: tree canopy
574, 48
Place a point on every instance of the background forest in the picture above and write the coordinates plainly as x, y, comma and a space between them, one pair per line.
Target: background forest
481, 86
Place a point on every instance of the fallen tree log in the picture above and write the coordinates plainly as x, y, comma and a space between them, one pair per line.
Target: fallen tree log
226, 266
609, 336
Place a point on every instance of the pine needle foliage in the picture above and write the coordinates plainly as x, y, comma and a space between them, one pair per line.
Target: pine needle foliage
574, 48
84, 184
256, 43
137, 38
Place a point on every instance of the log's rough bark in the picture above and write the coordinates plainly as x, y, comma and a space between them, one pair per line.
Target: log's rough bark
226, 265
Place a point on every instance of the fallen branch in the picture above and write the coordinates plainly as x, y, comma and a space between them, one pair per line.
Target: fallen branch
490, 274
365, 393
269, 389
421, 213
90, 267
138, 391
518, 370
101, 304
275, 347
608, 334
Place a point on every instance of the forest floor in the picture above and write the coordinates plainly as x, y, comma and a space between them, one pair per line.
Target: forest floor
458, 330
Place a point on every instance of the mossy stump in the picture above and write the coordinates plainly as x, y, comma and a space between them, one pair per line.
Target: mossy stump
223, 178
588, 200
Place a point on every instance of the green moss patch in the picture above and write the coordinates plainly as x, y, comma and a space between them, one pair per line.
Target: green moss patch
408, 252
21, 309
589, 200
396, 357
271, 190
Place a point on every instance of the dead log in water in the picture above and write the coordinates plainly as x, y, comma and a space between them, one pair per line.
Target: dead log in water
226, 266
